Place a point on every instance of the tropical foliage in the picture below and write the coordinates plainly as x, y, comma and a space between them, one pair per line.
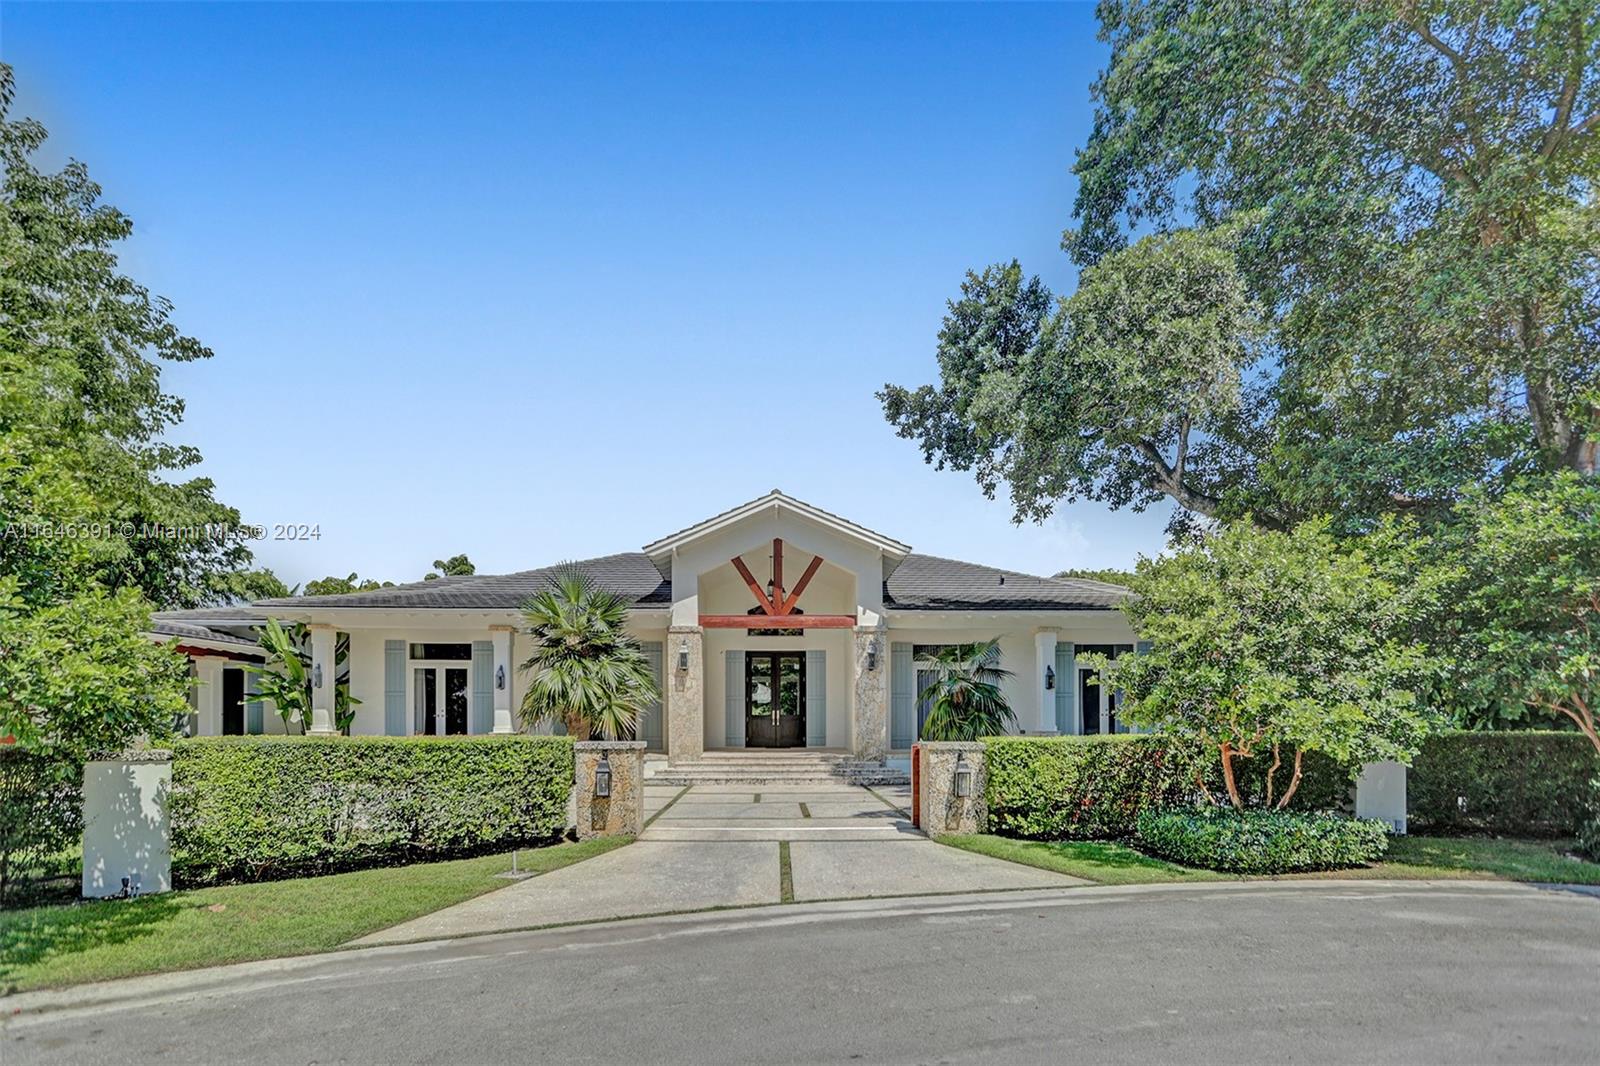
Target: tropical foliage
1264, 641
287, 679
965, 700
587, 671
455, 566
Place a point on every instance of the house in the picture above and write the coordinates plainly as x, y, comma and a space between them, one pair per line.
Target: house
772, 625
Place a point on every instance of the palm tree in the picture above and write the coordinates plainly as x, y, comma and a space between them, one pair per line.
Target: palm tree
587, 671
965, 701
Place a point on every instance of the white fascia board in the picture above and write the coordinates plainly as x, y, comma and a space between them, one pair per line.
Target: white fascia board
776, 501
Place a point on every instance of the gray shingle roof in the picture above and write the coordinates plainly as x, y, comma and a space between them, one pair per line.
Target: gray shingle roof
920, 582
173, 627
629, 574
929, 583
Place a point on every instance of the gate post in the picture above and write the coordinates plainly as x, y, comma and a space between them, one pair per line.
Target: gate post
608, 785
952, 778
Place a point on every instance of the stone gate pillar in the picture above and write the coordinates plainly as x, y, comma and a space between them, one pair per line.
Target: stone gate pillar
684, 693
869, 727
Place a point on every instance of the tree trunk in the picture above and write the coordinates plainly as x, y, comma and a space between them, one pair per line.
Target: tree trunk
577, 727
1294, 782
1228, 752
1272, 772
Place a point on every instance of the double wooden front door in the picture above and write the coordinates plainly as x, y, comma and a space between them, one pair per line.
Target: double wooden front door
775, 699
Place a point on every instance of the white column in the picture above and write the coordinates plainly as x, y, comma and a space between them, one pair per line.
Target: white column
208, 668
322, 666
502, 678
1044, 658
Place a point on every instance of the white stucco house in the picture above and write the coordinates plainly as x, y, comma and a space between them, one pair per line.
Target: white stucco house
772, 625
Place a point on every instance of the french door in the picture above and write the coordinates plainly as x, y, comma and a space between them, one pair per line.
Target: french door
1097, 703
775, 699
439, 699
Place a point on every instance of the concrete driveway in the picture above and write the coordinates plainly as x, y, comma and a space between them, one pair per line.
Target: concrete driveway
728, 846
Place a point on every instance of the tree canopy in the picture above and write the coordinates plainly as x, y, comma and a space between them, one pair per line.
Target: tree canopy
1397, 203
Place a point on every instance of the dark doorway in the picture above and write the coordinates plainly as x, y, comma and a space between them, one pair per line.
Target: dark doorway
774, 699
232, 703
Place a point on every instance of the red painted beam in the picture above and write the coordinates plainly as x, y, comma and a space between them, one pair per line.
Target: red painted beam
768, 621
777, 576
755, 590
787, 606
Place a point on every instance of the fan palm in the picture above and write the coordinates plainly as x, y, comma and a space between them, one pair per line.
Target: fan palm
964, 697
587, 671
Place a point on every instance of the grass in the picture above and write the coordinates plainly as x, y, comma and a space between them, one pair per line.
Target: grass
1409, 858
1103, 861
51, 946
785, 874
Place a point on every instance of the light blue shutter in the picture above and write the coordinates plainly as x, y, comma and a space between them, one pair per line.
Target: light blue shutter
733, 697
252, 709
482, 718
816, 699
394, 688
650, 720
902, 698
1066, 687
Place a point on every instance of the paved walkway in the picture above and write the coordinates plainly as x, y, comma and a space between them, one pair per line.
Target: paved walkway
722, 845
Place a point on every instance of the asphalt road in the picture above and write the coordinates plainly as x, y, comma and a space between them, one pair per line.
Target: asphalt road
1302, 972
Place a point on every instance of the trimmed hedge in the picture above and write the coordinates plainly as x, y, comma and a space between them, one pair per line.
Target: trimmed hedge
1261, 842
1094, 787
41, 820
1081, 788
255, 808
1524, 783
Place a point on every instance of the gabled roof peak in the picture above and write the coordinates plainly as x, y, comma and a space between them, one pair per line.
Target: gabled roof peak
779, 500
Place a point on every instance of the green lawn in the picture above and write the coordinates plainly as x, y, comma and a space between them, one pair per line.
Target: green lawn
1409, 857
43, 947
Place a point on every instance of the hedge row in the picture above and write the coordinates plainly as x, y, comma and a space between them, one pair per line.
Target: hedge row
253, 808
1261, 842
1095, 787
41, 821
1525, 783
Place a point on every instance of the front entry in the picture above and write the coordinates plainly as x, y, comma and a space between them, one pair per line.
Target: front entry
775, 699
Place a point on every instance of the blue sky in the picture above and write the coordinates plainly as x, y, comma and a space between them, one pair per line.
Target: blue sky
528, 281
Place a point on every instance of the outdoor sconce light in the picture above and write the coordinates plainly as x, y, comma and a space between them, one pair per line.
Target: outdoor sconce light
602, 778
963, 776
1049, 677
316, 676
683, 655
500, 677
872, 656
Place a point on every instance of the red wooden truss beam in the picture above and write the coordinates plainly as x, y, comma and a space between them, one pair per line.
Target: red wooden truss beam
765, 621
777, 605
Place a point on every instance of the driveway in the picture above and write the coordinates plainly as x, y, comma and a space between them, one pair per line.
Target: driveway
727, 846
1308, 971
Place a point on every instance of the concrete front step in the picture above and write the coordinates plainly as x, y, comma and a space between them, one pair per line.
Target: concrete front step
780, 771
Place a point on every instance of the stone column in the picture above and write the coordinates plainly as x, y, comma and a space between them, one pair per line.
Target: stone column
622, 812
126, 832
869, 727
503, 720
941, 810
1044, 653
208, 703
685, 694
323, 667
1381, 794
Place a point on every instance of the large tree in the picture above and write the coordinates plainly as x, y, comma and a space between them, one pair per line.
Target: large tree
85, 448
1408, 193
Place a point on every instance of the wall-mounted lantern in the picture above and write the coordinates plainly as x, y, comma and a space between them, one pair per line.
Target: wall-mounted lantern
500, 676
683, 654
872, 655
963, 776
1049, 677
316, 675
602, 778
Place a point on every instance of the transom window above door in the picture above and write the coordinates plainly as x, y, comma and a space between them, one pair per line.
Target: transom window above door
442, 652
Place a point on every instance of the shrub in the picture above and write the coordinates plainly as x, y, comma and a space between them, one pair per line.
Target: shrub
41, 818
1093, 788
1589, 832
1060, 788
1526, 783
1261, 842
252, 808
